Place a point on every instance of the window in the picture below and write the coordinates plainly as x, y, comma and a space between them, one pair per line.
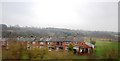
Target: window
28, 42
57, 49
28, 48
61, 48
41, 39
66, 48
57, 43
48, 42
76, 47
82, 50
76, 42
41, 46
82, 43
49, 48
33, 42
61, 44
67, 42
41, 42
75, 51
86, 50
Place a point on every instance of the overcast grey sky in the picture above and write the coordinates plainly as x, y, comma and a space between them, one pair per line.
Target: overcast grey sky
100, 15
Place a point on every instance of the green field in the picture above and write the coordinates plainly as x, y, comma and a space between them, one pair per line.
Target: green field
106, 50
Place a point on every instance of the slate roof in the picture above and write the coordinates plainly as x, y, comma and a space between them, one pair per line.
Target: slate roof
89, 44
25, 39
68, 39
51, 39
48, 39
80, 39
54, 39
42, 39
75, 39
60, 39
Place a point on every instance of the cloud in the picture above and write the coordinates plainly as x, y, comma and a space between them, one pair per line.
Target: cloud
73, 14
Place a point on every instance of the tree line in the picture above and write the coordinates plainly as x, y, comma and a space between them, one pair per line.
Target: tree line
14, 31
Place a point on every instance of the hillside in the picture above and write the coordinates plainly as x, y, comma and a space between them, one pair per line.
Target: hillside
14, 31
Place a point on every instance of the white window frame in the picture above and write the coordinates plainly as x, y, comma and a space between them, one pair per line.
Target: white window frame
80, 50
48, 43
57, 49
67, 43
33, 42
66, 48
41, 42
76, 43
41, 46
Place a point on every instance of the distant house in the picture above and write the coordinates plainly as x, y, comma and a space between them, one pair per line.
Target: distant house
57, 43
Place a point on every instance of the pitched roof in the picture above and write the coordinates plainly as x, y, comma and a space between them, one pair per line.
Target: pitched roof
68, 39
51, 39
42, 39
75, 39
60, 39
80, 39
25, 39
54, 39
48, 39
89, 44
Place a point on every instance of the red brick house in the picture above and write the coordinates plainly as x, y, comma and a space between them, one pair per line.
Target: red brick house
57, 43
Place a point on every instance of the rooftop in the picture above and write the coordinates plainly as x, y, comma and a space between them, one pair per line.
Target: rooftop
50, 39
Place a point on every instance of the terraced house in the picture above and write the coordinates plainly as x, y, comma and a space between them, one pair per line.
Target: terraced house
58, 43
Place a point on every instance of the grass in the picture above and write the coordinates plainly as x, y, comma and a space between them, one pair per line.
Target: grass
106, 50
80, 57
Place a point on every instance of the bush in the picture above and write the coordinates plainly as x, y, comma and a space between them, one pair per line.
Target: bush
16, 50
